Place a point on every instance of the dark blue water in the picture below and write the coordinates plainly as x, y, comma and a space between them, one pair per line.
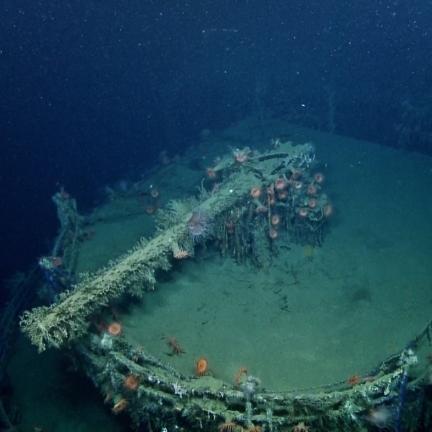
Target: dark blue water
91, 91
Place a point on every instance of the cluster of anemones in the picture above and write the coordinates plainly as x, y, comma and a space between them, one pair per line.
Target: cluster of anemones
311, 203
265, 200
278, 191
298, 190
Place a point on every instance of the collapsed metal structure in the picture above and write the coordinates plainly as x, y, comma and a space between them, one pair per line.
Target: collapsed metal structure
250, 198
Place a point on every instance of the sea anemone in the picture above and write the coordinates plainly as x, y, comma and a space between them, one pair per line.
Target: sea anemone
273, 234
114, 329
198, 225
241, 373
312, 189
297, 185
319, 177
255, 192
150, 209
120, 406
354, 380
275, 219
131, 382
241, 155
302, 212
181, 254
280, 184
153, 191
201, 366
312, 203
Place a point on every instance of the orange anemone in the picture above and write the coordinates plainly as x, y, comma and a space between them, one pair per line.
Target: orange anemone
115, 329
255, 192
131, 382
201, 367
353, 380
242, 372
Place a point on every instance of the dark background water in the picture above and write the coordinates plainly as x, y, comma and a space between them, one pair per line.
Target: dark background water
91, 90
